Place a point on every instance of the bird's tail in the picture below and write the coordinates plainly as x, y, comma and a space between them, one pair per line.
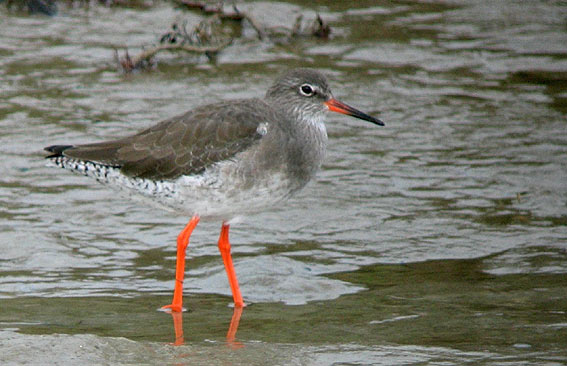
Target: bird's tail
56, 150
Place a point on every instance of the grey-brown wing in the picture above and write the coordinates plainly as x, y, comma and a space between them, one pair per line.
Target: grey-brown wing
182, 145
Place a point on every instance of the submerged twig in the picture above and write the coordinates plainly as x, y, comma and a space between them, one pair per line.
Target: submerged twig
149, 53
221, 13
208, 38
202, 39
144, 59
319, 28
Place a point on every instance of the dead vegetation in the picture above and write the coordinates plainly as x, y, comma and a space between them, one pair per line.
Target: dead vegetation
209, 38
318, 28
205, 39
219, 29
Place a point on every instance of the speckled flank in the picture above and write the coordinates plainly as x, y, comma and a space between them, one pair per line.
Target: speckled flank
112, 176
206, 194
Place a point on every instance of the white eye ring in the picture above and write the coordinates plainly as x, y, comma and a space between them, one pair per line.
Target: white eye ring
307, 90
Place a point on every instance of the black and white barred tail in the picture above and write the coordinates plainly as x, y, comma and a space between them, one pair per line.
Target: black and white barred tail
108, 174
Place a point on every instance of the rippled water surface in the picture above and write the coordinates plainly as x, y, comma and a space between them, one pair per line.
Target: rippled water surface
440, 239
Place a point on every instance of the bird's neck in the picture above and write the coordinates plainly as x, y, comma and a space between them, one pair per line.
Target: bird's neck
308, 146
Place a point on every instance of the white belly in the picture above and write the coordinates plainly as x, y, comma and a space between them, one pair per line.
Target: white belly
212, 194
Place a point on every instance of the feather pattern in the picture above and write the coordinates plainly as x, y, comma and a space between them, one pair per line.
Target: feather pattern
182, 145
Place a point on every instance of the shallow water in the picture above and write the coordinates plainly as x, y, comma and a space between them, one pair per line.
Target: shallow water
438, 239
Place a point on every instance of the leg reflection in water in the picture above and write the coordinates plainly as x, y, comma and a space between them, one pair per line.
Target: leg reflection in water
230, 335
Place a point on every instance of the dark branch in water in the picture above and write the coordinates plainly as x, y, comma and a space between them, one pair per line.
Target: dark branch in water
221, 13
144, 60
318, 28
209, 37
202, 40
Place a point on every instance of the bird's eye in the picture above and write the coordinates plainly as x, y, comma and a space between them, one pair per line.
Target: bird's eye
306, 90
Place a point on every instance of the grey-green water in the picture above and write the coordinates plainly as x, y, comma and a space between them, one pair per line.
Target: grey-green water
440, 239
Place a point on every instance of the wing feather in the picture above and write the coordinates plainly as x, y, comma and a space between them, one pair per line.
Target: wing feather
183, 145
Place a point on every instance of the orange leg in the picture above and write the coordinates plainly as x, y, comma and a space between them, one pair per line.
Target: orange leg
224, 248
182, 242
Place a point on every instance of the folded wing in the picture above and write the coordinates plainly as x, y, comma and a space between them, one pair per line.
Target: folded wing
182, 145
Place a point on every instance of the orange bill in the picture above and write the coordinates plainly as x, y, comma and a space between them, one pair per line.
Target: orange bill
339, 107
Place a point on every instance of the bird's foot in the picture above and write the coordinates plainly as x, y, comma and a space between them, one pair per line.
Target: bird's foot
174, 308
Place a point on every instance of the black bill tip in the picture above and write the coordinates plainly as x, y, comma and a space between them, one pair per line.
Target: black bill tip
339, 107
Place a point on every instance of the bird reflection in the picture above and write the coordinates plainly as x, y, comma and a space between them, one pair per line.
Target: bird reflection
230, 335
178, 327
